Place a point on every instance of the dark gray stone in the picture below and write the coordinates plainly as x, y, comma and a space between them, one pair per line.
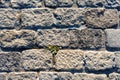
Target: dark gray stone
10, 61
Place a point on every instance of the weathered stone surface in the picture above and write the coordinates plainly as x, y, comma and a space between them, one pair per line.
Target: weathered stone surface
101, 18
68, 17
9, 18
17, 40
87, 39
99, 60
85, 76
69, 60
26, 3
90, 3
3, 76
117, 60
36, 59
114, 76
59, 37
58, 3
112, 3
55, 76
23, 76
10, 61
4, 3
40, 18
113, 38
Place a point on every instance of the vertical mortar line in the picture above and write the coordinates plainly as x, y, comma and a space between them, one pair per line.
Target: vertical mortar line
84, 63
74, 4
38, 75
43, 3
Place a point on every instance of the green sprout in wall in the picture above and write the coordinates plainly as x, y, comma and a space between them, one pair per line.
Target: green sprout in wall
54, 50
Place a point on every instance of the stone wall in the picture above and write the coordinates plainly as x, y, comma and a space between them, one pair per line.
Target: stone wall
88, 32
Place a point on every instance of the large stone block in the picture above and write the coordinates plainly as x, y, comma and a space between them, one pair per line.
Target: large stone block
99, 60
55, 76
9, 18
36, 59
3, 76
114, 76
23, 76
113, 39
17, 40
101, 18
26, 3
10, 61
85, 76
69, 60
58, 3
37, 18
90, 3
68, 17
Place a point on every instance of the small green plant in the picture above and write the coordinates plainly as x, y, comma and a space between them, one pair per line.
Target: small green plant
54, 50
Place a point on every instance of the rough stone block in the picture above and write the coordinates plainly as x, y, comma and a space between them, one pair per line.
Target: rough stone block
36, 59
26, 3
85, 76
3, 76
55, 76
68, 17
99, 60
114, 76
23, 76
9, 18
87, 39
101, 18
69, 60
58, 3
113, 39
37, 18
17, 40
90, 3
117, 60
10, 61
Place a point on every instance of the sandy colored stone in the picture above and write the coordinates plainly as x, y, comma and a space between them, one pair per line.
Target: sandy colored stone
114, 76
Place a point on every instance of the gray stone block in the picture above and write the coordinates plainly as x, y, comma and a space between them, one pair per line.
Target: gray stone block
68, 17
58, 3
85, 76
9, 18
17, 40
101, 18
36, 59
113, 39
37, 18
90, 3
3, 76
26, 4
69, 60
99, 60
23, 76
10, 61
55, 76
114, 76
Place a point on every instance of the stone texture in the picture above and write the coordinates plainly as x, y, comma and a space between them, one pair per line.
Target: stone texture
113, 38
90, 3
99, 60
37, 18
85, 76
69, 60
101, 18
26, 4
114, 76
68, 17
3, 76
112, 3
23, 76
117, 61
10, 61
58, 3
9, 18
87, 39
55, 76
17, 40
36, 59
4, 3
59, 37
